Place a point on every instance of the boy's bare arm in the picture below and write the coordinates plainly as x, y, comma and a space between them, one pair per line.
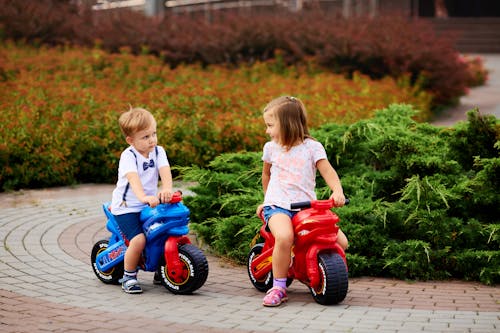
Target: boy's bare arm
165, 192
136, 185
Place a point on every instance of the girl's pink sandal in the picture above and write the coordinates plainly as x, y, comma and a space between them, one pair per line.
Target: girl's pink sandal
275, 296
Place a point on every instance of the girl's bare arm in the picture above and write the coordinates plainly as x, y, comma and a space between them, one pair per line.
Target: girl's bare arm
266, 175
332, 179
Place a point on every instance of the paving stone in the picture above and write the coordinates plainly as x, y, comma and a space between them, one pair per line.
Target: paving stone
47, 284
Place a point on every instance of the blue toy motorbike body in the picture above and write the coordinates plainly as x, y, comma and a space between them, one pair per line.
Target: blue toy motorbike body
181, 266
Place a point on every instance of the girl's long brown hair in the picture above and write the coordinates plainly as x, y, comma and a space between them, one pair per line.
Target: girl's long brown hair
292, 118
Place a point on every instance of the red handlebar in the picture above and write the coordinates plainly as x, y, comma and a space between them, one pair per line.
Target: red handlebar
176, 197
318, 204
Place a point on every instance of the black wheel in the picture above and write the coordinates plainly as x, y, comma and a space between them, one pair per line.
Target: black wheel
333, 279
111, 276
267, 282
193, 275
263, 284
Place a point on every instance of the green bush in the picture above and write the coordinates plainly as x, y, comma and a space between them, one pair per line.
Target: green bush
419, 208
479, 265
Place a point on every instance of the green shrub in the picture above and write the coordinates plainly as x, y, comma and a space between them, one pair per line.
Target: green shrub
479, 265
413, 259
415, 212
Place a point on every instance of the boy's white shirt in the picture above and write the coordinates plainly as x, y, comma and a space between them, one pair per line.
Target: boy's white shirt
149, 179
293, 172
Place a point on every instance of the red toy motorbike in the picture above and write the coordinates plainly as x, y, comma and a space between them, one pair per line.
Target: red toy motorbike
317, 260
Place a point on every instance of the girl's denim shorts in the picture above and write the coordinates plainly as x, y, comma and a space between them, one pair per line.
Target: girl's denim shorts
269, 211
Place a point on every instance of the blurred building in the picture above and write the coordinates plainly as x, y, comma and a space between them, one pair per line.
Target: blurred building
476, 23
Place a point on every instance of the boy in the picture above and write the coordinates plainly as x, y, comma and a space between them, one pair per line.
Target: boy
137, 186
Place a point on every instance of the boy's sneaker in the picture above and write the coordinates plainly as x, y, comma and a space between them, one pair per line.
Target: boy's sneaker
131, 286
157, 278
275, 296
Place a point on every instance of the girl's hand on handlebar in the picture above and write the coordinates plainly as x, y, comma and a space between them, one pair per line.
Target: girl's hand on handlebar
338, 199
259, 209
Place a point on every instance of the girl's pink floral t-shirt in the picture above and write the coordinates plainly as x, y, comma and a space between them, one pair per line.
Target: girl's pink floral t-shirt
293, 172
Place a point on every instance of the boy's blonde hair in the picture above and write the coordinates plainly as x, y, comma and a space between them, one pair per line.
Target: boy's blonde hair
135, 120
291, 115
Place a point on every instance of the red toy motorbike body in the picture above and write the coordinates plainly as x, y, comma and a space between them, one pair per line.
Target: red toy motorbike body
317, 259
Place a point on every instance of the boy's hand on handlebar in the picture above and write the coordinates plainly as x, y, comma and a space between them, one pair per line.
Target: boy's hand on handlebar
338, 199
164, 196
151, 200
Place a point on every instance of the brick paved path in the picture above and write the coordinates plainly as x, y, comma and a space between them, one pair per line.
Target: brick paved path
47, 285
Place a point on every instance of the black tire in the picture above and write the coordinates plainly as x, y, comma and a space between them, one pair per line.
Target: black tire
195, 271
333, 279
267, 282
111, 276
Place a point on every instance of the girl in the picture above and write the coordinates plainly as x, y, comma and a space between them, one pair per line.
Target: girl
291, 159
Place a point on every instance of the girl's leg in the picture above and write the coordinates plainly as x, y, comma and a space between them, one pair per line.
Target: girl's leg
282, 230
342, 240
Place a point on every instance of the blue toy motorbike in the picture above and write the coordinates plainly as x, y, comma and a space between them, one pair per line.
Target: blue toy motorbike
180, 266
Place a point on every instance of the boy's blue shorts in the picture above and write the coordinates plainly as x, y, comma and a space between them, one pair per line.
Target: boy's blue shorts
269, 211
130, 225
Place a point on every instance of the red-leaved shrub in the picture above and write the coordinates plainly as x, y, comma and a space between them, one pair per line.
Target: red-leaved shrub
392, 45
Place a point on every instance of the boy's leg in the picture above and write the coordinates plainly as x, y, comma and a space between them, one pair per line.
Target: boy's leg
132, 256
131, 230
134, 252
